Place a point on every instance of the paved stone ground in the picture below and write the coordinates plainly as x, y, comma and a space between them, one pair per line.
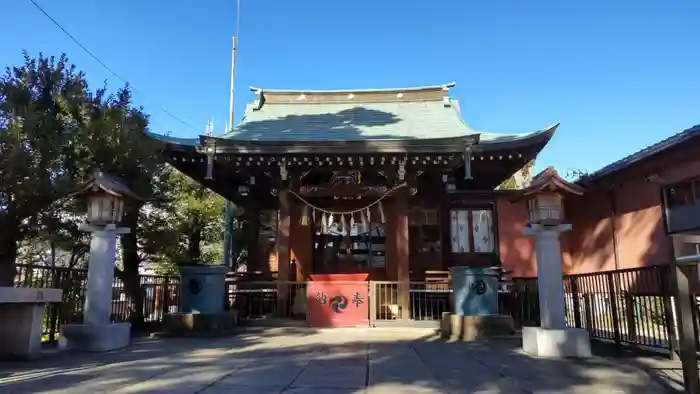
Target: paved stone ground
340, 361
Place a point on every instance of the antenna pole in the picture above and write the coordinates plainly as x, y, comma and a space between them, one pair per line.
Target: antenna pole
234, 49
228, 225
233, 75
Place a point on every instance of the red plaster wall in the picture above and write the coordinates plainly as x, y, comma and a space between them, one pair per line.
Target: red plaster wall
516, 250
638, 224
640, 239
589, 244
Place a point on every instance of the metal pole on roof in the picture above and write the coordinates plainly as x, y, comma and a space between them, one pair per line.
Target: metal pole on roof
228, 225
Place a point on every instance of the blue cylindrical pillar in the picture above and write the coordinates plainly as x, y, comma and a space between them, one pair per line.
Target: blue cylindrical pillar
474, 291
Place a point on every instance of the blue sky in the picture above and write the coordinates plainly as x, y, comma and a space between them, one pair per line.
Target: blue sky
619, 75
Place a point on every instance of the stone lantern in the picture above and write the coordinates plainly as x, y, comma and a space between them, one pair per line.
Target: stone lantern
546, 208
104, 196
545, 222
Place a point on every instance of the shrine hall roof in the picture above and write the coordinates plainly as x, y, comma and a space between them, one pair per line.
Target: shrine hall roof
354, 115
337, 116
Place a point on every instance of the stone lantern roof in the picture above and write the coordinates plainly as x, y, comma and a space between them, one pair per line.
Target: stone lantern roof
108, 183
549, 180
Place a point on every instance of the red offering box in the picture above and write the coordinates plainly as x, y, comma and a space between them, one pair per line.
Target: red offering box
361, 277
338, 300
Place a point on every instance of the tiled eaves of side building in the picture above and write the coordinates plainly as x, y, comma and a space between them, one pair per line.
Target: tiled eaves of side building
644, 154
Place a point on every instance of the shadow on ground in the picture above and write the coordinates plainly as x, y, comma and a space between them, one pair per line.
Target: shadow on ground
342, 361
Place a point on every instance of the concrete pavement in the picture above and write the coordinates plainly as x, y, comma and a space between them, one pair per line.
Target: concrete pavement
339, 361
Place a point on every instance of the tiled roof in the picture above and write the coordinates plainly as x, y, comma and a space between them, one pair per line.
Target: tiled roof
350, 122
353, 116
643, 154
357, 115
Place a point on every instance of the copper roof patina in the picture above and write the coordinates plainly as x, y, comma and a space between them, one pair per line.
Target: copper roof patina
350, 115
414, 115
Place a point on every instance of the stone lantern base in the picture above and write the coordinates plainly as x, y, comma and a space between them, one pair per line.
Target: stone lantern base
474, 328
548, 342
96, 338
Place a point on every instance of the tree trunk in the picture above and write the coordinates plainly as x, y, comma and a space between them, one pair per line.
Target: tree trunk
194, 249
130, 275
8, 255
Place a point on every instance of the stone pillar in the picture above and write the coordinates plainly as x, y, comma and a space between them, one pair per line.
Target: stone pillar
283, 252
98, 333
550, 275
553, 338
402, 251
98, 300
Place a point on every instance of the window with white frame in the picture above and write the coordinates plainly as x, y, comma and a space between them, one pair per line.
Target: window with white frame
471, 231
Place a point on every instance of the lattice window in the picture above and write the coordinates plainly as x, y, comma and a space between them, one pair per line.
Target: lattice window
471, 230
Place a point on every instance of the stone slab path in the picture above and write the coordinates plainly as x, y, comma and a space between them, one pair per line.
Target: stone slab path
339, 361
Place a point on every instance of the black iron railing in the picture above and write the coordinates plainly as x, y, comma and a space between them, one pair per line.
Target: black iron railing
627, 307
631, 306
160, 296
260, 299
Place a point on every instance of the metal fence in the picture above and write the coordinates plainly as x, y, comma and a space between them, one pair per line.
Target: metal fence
426, 302
160, 296
626, 307
260, 300
631, 306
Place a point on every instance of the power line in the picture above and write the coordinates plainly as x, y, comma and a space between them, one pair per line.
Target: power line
114, 73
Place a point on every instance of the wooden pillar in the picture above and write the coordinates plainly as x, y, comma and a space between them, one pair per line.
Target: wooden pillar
301, 241
283, 253
253, 235
445, 230
402, 251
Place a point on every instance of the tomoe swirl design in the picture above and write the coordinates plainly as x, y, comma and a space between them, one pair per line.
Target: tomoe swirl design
339, 303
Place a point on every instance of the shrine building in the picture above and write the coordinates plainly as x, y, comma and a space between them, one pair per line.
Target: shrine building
391, 183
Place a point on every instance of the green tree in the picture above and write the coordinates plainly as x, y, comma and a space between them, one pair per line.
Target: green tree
521, 178
114, 140
41, 107
187, 227
56, 239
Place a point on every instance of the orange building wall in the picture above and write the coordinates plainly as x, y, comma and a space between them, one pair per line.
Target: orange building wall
640, 239
516, 250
